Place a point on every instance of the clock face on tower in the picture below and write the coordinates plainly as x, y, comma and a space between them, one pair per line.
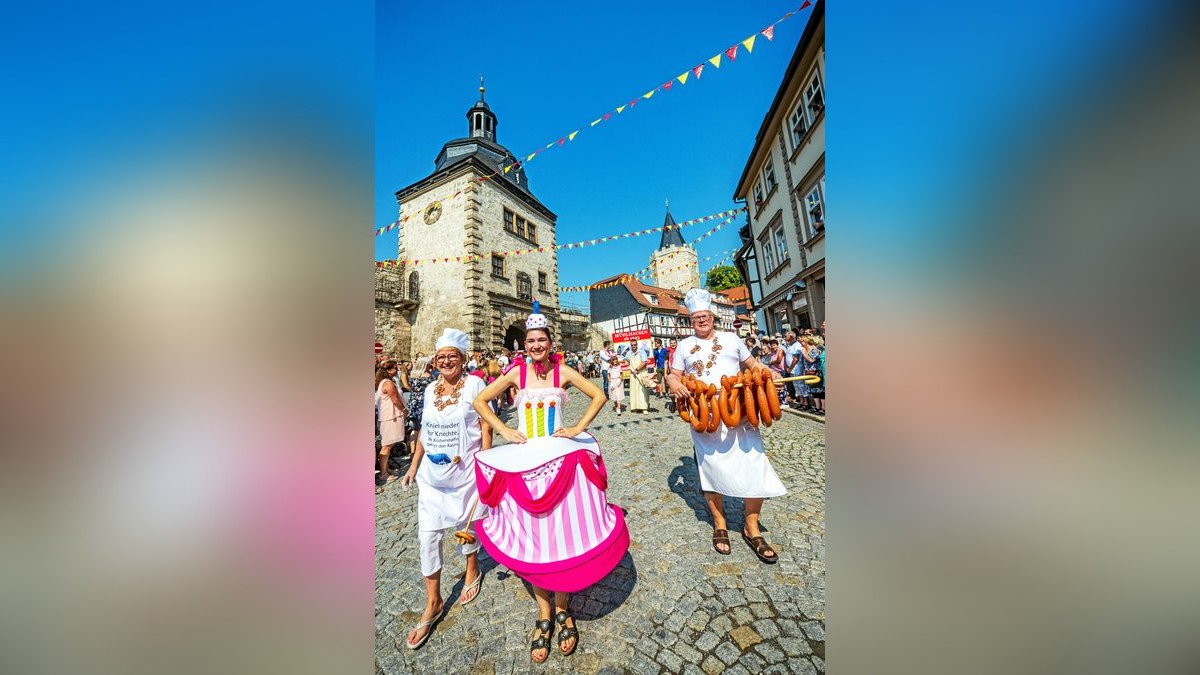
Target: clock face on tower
433, 212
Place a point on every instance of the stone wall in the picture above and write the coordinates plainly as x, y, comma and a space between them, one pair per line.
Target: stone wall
677, 268
393, 326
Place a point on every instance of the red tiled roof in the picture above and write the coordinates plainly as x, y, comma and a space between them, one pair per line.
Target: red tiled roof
669, 300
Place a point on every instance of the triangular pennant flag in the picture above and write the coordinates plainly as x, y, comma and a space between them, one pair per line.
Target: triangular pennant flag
697, 70
548, 145
606, 116
648, 94
768, 32
633, 103
562, 140
595, 123
806, 4
507, 168
731, 53
531, 157
571, 136
667, 85
682, 78
620, 109
716, 61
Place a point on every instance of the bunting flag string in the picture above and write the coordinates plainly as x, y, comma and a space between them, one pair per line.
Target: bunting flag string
644, 273
562, 139
728, 215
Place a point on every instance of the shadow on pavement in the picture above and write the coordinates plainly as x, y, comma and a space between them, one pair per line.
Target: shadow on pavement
602, 597
684, 481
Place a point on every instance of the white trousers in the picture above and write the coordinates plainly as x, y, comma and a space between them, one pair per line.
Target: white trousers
431, 549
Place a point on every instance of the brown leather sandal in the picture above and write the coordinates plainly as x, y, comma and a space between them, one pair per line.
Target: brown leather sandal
721, 537
760, 548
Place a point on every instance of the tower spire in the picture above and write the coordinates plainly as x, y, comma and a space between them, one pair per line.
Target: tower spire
481, 86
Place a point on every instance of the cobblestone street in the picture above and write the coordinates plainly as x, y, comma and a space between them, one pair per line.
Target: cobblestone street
672, 605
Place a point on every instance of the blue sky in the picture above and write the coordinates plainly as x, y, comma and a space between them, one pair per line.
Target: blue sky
553, 67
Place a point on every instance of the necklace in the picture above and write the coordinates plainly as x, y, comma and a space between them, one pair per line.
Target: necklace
702, 369
441, 392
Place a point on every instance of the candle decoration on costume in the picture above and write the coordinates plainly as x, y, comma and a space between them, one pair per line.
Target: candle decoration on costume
541, 419
550, 427
529, 417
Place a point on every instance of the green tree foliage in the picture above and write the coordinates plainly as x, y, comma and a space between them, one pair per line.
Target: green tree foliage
722, 277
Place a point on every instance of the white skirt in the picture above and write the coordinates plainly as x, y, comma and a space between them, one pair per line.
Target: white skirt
734, 463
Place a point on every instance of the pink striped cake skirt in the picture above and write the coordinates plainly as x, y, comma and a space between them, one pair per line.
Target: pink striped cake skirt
550, 522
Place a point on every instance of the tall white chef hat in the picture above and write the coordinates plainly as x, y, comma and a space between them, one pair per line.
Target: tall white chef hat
698, 300
452, 337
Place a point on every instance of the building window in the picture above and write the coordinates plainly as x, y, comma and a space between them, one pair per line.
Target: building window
758, 194
414, 287
769, 175
498, 266
781, 244
524, 287
519, 226
542, 281
768, 256
814, 97
798, 122
814, 207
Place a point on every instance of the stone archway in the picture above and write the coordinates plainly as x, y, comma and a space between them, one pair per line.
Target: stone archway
514, 337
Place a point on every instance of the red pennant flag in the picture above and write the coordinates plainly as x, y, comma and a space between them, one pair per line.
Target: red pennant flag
731, 52
769, 32
562, 140
633, 103
806, 4
697, 70
606, 116
667, 85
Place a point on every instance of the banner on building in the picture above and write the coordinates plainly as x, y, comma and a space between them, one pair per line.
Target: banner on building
631, 334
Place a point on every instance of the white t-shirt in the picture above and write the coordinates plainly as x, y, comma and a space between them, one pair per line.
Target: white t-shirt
693, 352
794, 351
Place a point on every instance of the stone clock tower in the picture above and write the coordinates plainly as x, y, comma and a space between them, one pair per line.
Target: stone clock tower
674, 263
490, 296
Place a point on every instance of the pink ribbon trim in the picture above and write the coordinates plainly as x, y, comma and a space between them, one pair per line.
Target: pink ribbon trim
514, 485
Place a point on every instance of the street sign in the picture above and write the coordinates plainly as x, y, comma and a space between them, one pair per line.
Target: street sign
737, 324
378, 347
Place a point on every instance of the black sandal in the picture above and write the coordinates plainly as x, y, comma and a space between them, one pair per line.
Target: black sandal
760, 547
721, 537
566, 632
542, 641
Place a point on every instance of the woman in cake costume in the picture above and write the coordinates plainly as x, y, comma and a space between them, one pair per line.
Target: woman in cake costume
443, 466
551, 523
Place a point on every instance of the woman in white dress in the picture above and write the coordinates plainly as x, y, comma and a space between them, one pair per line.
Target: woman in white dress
443, 466
731, 462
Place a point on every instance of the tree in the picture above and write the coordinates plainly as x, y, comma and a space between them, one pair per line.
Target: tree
722, 277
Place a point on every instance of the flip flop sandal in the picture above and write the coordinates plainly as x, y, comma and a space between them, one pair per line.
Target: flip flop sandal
760, 547
474, 584
428, 622
721, 537
566, 633
542, 641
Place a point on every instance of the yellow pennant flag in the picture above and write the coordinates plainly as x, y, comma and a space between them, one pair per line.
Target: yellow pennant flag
620, 109
716, 61
748, 43
571, 136
683, 78
648, 94
594, 123
529, 158
507, 168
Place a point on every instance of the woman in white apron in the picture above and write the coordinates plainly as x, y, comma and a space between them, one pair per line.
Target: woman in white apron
731, 462
443, 467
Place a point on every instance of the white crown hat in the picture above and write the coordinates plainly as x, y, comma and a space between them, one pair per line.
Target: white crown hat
537, 319
698, 300
452, 337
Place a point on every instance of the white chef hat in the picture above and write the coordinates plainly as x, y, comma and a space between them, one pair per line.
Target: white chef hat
698, 300
452, 337
537, 319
